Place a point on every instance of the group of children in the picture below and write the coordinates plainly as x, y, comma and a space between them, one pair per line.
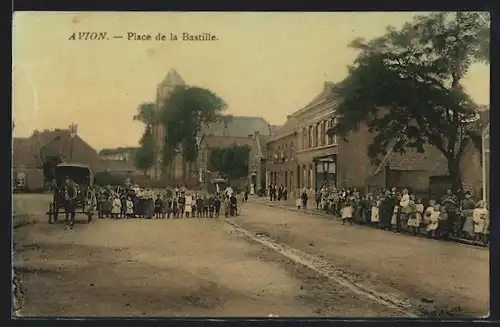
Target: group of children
132, 202
400, 211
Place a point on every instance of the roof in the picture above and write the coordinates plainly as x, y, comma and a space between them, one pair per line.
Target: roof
212, 141
173, 79
238, 126
323, 95
432, 161
24, 152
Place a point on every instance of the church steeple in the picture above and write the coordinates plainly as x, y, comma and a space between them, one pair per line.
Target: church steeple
173, 79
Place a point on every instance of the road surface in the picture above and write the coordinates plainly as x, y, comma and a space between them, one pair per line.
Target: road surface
434, 274
187, 267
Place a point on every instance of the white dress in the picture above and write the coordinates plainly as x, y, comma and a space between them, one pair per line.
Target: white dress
479, 217
417, 217
375, 213
188, 204
130, 207
434, 221
117, 206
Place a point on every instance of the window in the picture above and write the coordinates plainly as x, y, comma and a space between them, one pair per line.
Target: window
21, 180
327, 127
304, 138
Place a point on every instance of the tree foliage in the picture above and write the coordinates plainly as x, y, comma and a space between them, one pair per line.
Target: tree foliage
232, 161
145, 156
146, 113
183, 115
406, 86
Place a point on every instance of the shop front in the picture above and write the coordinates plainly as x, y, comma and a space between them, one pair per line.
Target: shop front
326, 171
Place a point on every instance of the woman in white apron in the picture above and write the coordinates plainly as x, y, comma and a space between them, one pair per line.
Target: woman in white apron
481, 222
433, 221
375, 211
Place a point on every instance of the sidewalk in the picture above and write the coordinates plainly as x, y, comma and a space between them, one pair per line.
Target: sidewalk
290, 205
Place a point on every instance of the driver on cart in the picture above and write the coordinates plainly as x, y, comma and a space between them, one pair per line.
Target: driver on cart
70, 192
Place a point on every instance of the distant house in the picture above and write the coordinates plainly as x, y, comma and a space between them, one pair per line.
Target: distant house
121, 167
35, 157
230, 131
257, 161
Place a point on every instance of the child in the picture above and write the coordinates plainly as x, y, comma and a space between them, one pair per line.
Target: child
158, 205
435, 214
123, 208
374, 219
117, 207
211, 205
298, 203
347, 212
130, 207
481, 222
416, 218
227, 206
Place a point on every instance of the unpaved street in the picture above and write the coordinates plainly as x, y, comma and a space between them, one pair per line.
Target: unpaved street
436, 275
186, 267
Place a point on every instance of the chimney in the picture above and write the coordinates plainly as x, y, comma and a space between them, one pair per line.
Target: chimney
288, 116
328, 86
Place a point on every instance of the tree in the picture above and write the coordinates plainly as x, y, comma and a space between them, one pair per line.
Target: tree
232, 162
406, 86
144, 155
183, 115
146, 113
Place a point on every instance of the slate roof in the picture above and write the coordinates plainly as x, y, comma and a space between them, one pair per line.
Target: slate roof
24, 152
173, 79
325, 93
432, 161
238, 126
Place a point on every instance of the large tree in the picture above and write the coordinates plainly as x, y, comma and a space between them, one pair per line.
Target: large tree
232, 161
146, 113
144, 156
183, 115
406, 86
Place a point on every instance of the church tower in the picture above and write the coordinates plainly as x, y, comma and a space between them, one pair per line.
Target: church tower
163, 92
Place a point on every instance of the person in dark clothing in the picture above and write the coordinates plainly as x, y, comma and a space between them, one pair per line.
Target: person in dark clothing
199, 207
271, 193
304, 199
217, 206
211, 206
169, 206
181, 203
385, 211
175, 208
233, 209
246, 195
285, 193
69, 192
280, 192
158, 206
205, 207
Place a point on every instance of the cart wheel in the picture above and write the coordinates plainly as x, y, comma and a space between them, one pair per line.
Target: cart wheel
50, 213
55, 211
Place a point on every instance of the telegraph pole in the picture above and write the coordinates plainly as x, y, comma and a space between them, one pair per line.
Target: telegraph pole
72, 131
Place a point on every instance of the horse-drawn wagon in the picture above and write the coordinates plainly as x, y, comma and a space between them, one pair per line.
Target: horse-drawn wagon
85, 199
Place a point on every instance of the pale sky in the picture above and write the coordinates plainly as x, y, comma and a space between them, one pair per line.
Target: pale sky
263, 64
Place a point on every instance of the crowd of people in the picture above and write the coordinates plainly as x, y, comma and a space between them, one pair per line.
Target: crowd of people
401, 211
133, 201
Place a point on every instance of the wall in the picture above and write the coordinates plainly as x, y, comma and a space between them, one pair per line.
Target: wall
353, 163
471, 170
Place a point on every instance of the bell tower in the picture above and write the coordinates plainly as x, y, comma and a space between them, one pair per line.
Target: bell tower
163, 92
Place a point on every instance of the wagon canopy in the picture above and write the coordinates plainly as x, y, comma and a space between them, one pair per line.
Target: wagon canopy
79, 173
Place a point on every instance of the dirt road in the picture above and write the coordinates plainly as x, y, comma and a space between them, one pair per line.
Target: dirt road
186, 267
443, 276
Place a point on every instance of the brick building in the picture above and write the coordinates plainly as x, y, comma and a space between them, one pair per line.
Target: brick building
318, 158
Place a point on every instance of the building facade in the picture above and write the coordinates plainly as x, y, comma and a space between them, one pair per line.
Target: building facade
317, 158
257, 162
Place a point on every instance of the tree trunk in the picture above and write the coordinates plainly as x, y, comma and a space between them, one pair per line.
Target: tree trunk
454, 173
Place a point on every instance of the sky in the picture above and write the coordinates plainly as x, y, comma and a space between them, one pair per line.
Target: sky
262, 64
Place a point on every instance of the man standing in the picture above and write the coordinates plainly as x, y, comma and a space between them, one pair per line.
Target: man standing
70, 192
